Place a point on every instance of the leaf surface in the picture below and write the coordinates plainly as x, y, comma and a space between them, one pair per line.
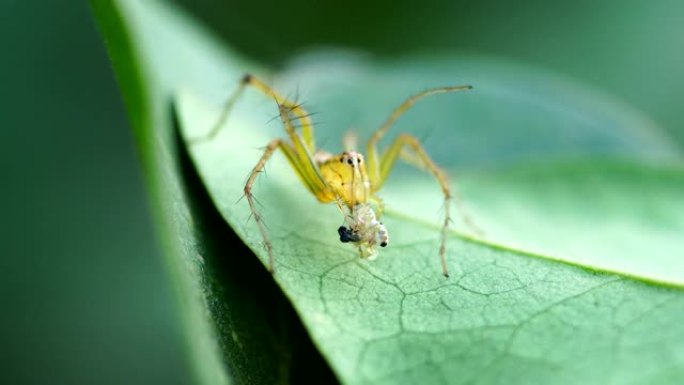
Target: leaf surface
506, 313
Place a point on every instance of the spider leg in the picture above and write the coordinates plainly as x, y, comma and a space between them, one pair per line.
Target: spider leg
291, 155
300, 115
301, 155
295, 109
413, 159
372, 153
388, 160
303, 161
379, 168
379, 205
224, 114
270, 149
303, 164
350, 141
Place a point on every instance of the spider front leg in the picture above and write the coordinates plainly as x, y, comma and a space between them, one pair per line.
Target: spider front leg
303, 165
300, 170
378, 169
387, 161
270, 149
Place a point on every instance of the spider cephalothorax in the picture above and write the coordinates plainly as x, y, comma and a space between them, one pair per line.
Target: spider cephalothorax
348, 179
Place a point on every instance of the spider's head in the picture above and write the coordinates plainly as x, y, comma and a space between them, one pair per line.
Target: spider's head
352, 159
364, 230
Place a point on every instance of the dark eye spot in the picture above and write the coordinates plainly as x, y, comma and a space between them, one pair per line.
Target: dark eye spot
349, 161
341, 160
347, 235
383, 244
360, 160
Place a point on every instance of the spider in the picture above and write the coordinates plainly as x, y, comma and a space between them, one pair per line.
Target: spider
348, 179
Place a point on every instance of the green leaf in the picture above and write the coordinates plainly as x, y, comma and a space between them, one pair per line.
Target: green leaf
507, 313
607, 215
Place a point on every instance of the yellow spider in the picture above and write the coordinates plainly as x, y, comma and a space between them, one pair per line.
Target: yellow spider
348, 179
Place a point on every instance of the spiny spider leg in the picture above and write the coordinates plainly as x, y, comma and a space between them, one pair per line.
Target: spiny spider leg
380, 167
388, 160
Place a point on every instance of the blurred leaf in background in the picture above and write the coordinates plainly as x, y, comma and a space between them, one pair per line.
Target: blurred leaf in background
86, 298
631, 49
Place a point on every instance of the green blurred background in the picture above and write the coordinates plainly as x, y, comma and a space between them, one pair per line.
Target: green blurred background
86, 299
85, 292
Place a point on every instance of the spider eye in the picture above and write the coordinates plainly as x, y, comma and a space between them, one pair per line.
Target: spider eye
341, 160
349, 161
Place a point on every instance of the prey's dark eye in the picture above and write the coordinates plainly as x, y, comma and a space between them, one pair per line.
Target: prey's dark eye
346, 235
383, 244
